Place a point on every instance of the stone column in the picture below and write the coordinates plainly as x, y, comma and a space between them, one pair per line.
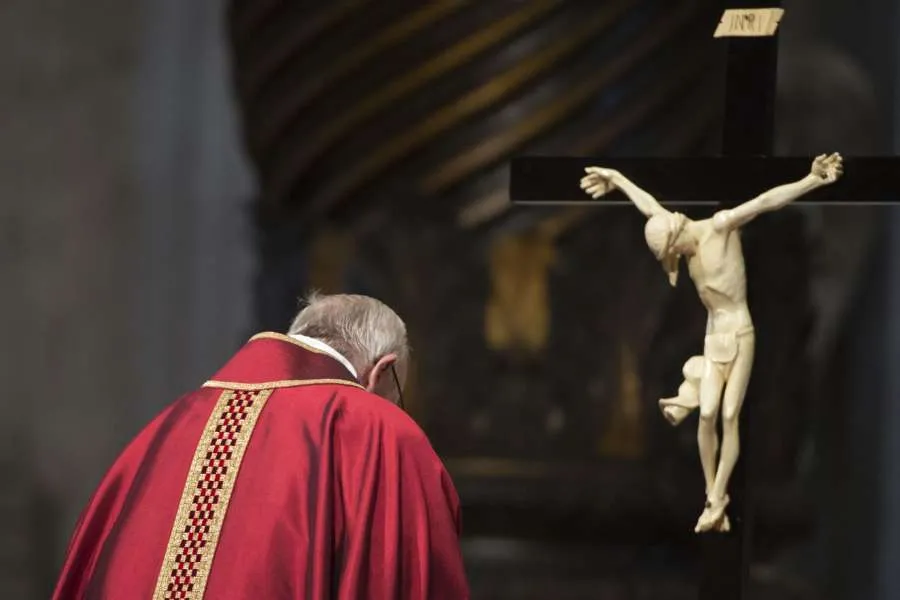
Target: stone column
195, 260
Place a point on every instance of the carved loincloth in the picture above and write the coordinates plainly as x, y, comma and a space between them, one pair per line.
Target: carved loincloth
721, 349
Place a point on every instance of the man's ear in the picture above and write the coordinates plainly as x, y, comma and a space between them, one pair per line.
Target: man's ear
373, 376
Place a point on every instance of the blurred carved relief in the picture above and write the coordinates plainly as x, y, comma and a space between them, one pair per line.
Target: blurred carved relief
517, 313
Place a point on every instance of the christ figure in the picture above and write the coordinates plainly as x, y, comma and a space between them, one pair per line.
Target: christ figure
718, 380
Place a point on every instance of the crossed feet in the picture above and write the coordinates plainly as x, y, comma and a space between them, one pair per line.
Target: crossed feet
714, 517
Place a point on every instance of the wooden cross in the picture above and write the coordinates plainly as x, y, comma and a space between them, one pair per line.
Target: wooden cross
741, 173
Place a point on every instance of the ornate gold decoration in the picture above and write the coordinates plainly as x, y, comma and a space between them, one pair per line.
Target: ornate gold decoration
493, 203
271, 385
366, 49
517, 314
317, 141
394, 90
624, 433
271, 335
458, 71
207, 494
479, 99
491, 150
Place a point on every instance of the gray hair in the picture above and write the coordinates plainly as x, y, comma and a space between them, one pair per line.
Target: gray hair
361, 328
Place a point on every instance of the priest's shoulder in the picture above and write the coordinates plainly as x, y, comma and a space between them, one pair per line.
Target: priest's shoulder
365, 408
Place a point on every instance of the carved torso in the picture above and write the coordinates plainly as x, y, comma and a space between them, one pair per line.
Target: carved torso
718, 272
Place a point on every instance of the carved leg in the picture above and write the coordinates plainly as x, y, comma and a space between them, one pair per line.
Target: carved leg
707, 438
676, 409
732, 400
673, 411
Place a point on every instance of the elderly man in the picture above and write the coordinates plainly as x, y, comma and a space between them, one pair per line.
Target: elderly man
290, 474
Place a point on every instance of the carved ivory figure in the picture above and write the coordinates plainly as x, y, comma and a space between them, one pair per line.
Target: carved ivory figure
718, 379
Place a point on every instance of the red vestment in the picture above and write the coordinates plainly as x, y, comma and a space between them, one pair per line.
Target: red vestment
281, 478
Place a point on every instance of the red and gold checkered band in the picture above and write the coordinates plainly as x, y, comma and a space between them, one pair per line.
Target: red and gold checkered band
206, 495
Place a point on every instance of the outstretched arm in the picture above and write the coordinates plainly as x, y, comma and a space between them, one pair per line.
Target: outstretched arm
600, 181
825, 170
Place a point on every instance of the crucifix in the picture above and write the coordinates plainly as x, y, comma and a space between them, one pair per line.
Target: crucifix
736, 185
715, 382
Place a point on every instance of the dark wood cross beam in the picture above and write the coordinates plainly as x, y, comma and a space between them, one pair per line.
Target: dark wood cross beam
715, 181
741, 173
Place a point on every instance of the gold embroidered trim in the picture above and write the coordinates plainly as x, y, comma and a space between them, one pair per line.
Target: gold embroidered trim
271, 385
207, 493
270, 335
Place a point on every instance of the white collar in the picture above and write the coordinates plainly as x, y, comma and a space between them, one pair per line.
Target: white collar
323, 347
